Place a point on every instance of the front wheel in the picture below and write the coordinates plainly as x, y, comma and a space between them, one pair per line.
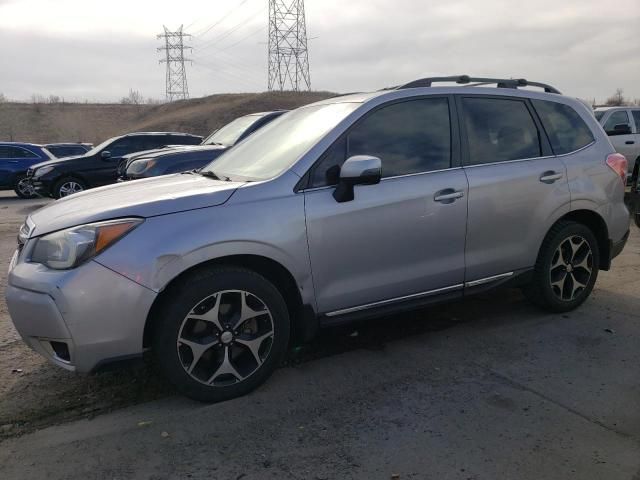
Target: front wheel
221, 333
566, 269
68, 186
24, 188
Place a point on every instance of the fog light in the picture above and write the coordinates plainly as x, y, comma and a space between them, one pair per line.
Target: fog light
61, 350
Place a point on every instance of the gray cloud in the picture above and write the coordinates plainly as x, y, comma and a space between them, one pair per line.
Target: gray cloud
580, 47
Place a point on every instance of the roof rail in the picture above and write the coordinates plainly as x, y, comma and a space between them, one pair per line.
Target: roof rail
466, 79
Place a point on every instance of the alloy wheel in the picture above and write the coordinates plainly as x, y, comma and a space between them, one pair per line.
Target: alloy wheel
26, 188
69, 188
225, 338
571, 268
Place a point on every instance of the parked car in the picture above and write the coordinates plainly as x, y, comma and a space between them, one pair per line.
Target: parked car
62, 150
172, 160
634, 198
622, 125
348, 208
66, 176
15, 160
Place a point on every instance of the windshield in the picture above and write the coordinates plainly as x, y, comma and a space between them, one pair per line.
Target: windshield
229, 134
95, 150
277, 146
599, 114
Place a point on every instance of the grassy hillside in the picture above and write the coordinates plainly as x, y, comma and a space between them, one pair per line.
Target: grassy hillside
78, 122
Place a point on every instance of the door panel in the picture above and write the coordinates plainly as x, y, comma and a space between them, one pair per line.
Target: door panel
510, 211
392, 240
516, 187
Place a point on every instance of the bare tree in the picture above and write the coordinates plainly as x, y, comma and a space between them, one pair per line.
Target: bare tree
53, 99
3, 99
37, 98
616, 99
134, 98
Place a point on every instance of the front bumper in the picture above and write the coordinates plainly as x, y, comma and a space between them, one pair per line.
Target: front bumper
42, 186
98, 314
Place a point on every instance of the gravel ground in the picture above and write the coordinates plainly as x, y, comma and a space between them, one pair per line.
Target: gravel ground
485, 388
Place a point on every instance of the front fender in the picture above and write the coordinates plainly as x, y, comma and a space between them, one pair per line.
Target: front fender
163, 247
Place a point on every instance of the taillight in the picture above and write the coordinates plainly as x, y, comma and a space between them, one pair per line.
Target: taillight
618, 164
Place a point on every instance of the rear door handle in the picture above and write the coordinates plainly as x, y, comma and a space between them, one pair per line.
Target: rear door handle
629, 142
448, 195
550, 176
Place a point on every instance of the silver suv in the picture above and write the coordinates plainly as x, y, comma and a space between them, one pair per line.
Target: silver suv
352, 207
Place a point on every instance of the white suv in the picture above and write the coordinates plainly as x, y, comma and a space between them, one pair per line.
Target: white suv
622, 125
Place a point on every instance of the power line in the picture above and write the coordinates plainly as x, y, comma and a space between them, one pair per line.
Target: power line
208, 29
229, 31
176, 75
288, 55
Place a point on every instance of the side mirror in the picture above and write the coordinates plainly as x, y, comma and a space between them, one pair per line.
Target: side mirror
620, 129
106, 155
357, 170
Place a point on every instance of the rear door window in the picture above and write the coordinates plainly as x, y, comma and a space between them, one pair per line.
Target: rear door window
499, 130
565, 128
17, 152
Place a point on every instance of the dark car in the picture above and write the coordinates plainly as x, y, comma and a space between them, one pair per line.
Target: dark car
62, 150
634, 196
97, 167
15, 160
182, 159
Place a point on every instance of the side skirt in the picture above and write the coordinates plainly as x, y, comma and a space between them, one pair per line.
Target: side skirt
414, 302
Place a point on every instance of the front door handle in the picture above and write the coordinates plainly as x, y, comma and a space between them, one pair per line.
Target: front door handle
629, 142
550, 176
448, 195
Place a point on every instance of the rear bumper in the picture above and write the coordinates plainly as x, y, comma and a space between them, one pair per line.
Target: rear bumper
617, 247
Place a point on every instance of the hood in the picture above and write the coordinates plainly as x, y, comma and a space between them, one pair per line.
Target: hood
141, 198
161, 152
56, 161
172, 151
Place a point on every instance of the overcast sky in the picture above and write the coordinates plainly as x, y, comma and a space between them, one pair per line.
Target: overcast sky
98, 50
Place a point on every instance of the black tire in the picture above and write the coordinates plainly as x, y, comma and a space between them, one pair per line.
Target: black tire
541, 291
191, 295
21, 191
60, 188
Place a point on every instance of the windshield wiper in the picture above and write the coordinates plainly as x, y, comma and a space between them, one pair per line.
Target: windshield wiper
210, 174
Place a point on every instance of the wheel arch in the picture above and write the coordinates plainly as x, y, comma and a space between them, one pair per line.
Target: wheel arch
302, 316
598, 226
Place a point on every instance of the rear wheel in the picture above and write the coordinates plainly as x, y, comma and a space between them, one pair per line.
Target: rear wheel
221, 333
24, 188
566, 269
68, 186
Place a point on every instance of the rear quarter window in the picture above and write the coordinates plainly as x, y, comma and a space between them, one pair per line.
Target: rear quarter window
566, 130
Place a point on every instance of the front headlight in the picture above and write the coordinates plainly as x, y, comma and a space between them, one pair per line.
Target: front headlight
42, 171
141, 166
69, 248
